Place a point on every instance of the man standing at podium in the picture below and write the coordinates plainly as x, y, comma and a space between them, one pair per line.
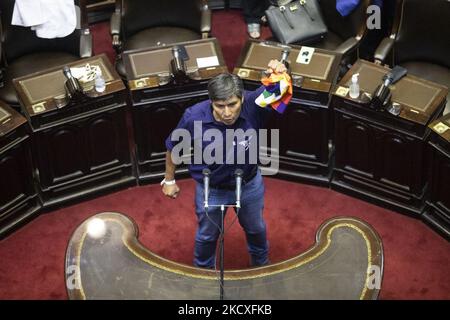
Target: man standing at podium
208, 123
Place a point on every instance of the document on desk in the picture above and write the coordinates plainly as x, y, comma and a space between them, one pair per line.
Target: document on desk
305, 55
206, 62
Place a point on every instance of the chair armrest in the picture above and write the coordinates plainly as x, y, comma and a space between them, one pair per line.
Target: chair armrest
1, 66
115, 23
2, 61
383, 50
1, 41
205, 26
347, 46
115, 26
85, 43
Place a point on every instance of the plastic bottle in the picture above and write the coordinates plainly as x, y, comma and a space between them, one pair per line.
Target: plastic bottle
354, 86
100, 84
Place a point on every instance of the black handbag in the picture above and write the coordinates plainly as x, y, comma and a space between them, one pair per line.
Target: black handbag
297, 21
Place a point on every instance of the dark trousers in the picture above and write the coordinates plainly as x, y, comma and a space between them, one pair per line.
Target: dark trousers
254, 10
250, 218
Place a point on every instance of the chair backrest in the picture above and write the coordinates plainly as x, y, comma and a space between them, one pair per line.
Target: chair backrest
423, 32
18, 41
138, 15
345, 27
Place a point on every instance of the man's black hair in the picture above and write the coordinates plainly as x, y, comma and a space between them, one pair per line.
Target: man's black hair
225, 86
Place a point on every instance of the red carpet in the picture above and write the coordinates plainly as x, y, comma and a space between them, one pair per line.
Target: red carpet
230, 30
416, 258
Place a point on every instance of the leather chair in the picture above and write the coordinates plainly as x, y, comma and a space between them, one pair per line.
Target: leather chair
22, 52
139, 24
420, 41
345, 34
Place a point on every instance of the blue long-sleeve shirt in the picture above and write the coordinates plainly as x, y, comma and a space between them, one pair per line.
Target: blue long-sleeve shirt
199, 118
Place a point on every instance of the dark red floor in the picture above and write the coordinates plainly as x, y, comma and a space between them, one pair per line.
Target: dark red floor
416, 258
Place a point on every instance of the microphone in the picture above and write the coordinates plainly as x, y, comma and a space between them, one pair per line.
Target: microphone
206, 172
395, 75
72, 85
284, 55
381, 98
238, 174
177, 62
178, 67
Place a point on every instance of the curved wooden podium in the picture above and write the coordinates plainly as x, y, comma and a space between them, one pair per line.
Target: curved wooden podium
346, 262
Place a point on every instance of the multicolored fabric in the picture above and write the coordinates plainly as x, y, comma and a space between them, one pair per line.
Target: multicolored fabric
278, 92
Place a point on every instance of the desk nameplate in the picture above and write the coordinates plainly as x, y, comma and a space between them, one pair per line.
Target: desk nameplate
442, 127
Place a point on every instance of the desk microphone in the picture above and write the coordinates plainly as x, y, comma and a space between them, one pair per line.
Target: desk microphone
206, 173
381, 98
284, 56
238, 174
178, 67
72, 85
178, 62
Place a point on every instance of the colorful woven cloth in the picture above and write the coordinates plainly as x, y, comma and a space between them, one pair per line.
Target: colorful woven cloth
278, 92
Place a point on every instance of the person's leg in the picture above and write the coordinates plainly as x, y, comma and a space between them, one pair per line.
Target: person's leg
253, 10
208, 227
252, 221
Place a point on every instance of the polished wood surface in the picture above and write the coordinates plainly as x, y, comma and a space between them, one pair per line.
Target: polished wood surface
18, 195
437, 211
381, 157
318, 76
346, 262
154, 62
10, 120
418, 98
37, 93
82, 148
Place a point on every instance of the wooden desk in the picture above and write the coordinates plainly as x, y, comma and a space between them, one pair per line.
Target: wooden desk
18, 195
345, 263
381, 157
304, 127
437, 211
158, 103
82, 148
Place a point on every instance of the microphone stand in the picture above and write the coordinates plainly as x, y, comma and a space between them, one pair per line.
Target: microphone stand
221, 243
238, 174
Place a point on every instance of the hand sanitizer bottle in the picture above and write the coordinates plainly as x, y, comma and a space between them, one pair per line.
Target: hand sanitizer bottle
100, 85
354, 86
